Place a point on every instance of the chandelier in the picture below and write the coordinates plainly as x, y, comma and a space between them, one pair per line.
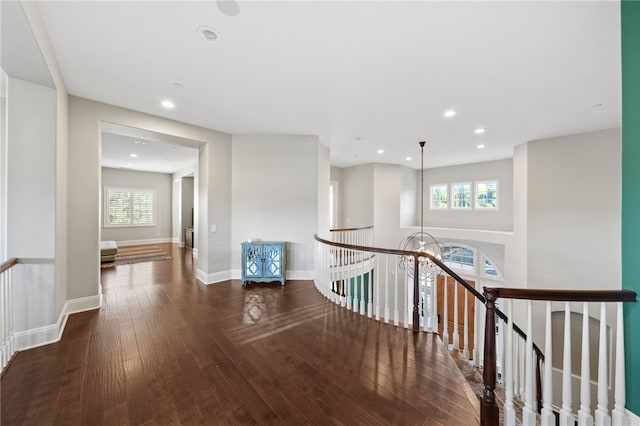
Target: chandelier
421, 241
426, 281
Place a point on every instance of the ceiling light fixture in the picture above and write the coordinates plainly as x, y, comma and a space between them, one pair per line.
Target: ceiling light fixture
140, 142
408, 158
381, 151
167, 104
207, 33
481, 146
449, 113
133, 155
479, 131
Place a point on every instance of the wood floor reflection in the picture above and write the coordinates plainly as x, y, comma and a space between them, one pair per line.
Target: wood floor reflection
165, 349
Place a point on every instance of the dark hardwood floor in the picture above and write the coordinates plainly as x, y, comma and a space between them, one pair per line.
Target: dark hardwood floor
165, 349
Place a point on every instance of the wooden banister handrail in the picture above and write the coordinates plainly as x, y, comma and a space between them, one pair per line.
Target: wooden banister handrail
456, 277
8, 264
555, 295
351, 229
489, 412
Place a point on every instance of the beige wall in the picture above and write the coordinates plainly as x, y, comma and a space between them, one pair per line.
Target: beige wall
498, 220
275, 195
162, 184
85, 117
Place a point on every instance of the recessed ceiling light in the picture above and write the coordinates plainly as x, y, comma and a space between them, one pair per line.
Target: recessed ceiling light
168, 104
481, 146
228, 7
140, 142
381, 151
207, 33
449, 113
133, 155
479, 131
408, 158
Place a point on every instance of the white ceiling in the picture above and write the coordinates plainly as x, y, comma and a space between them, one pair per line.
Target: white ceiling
136, 149
362, 76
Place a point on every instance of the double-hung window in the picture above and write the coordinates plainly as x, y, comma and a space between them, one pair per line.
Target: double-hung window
487, 195
461, 195
440, 196
129, 207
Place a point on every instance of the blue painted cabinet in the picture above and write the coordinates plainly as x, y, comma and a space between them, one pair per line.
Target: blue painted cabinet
263, 261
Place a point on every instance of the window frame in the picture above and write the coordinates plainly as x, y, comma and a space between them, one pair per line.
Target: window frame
476, 195
333, 203
483, 273
154, 207
473, 250
446, 192
453, 196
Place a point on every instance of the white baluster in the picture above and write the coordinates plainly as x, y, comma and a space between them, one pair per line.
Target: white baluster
10, 325
3, 318
456, 335
584, 413
371, 272
528, 412
386, 289
509, 409
465, 351
602, 412
434, 302
476, 304
500, 351
347, 268
363, 301
408, 318
516, 366
396, 307
566, 415
618, 416
445, 323
480, 333
523, 367
547, 418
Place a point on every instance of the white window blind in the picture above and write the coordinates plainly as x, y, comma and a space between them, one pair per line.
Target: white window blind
129, 207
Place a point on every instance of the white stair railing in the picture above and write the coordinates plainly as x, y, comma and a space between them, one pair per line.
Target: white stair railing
381, 283
525, 357
7, 342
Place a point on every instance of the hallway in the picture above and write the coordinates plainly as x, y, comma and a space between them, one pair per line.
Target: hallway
165, 349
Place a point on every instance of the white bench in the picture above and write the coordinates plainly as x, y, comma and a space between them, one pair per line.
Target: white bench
108, 251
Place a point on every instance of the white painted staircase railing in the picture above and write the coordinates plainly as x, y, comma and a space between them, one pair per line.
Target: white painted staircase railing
382, 284
584, 412
7, 343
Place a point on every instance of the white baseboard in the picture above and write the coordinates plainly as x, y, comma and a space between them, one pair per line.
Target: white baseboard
40, 336
291, 275
180, 244
633, 420
214, 277
149, 241
300, 275
194, 252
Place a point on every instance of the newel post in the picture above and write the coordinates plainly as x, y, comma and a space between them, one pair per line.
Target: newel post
488, 407
416, 294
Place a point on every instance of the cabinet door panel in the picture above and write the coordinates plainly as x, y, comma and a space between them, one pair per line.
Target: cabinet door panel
272, 260
253, 261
